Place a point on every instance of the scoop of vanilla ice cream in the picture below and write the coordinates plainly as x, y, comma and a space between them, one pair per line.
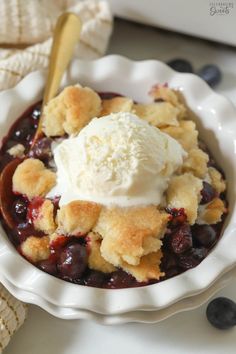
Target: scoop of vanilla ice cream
118, 159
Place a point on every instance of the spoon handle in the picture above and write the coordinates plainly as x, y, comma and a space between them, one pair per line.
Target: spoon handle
66, 35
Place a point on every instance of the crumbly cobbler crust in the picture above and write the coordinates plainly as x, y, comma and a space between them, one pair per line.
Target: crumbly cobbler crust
95, 259
195, 163
147, 269
216, 180
77, 218
128, 234
45, 219
115, 105
186, 134
70, 111
159, 114
212, 212
36, 248
160, 92
184, 192
33, 179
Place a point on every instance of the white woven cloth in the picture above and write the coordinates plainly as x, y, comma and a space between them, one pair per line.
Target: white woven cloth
12, 316
26, 28
24, 22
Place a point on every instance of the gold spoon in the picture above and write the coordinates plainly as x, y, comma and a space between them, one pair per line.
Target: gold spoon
66, 35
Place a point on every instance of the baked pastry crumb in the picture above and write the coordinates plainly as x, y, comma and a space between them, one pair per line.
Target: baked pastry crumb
216, 180
184, 192
33, 179
70, 111
196, 163
130, 233
45, 218
167, 94
95, 259
211, 213
116, 104
36, 248
78, 217
186, 134
17, 150
159, 114
147, 269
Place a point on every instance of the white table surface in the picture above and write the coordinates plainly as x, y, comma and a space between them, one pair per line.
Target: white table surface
184, 333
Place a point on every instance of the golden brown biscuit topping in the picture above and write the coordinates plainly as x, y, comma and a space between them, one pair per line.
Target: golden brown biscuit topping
33, 179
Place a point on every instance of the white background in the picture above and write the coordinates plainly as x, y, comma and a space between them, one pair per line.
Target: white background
184, 333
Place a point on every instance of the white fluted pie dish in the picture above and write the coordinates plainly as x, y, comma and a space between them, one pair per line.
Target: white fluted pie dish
216, 121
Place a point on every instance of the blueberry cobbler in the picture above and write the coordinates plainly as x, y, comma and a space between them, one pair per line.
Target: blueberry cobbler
114, 193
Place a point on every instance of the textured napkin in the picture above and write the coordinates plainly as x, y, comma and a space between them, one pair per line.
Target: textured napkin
27, 26
26, 29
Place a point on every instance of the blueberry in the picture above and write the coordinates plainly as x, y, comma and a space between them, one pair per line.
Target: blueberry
95, 279
20, 209
42, 150
171, 272
205, 235
36, 112
73, 261
208, 193
181, 65
192, 258
48, 266
221, 313
181, 239
211, 74
168, 261
121, 279
24, 131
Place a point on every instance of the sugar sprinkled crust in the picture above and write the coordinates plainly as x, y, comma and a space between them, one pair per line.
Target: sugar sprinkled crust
36, 248
45, 219
70, 111
77, 217
95, 259
115, 105
33, 179
184, 192
130, 233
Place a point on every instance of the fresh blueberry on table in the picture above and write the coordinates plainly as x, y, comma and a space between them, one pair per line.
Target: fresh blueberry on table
211, 74
221, 313
181, 65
